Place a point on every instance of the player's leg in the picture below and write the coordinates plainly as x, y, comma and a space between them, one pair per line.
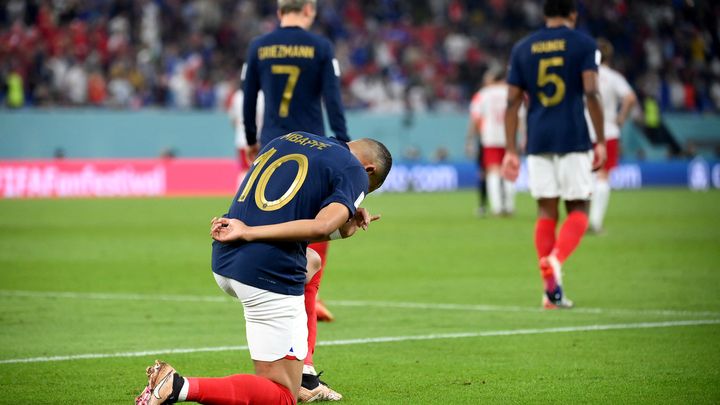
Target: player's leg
482, 183
321, 311
545, 225
576, 188
312, 388
545, 188
508, 193
601, 192
508, 197
599, 202
243, 165
311, 288
575, 182
492, 158
277, 340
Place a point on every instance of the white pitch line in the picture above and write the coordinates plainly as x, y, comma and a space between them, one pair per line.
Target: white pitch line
347, 303
385, 339
510, 308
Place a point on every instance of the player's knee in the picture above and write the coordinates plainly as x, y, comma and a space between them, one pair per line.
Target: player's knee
314, 262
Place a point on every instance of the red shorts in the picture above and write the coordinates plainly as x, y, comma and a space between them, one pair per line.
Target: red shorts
613, 154
492, 156
243, 162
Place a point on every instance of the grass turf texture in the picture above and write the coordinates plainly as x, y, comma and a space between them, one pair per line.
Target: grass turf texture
660, 253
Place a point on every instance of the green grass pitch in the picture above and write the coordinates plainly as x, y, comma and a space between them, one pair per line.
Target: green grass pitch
433, 305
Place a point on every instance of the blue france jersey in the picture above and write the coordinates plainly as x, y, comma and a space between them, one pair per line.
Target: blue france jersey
293, 177
296, 70
548, 65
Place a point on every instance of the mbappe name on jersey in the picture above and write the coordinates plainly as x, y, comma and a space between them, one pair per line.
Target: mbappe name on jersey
305, 141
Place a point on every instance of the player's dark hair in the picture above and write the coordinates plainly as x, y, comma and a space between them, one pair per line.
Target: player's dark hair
293, 6
559, 8
606, 49
384, 160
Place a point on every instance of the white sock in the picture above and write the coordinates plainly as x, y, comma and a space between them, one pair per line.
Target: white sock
509, 196
494, 190
182, 396
309, 370
599, 203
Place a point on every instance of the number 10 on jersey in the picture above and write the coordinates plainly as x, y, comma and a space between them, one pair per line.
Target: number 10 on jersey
267, 172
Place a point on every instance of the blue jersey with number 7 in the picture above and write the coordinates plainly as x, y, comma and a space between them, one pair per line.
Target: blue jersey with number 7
548, 66
293, 177
296, 70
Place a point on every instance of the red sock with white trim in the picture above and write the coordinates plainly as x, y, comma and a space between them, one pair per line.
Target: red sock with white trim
238, 389
570, 235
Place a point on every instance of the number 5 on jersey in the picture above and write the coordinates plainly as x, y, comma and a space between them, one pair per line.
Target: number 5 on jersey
293, 73
545, 78
259, 166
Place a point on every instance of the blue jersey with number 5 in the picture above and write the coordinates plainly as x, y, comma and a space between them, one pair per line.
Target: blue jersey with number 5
293, 177
548, 65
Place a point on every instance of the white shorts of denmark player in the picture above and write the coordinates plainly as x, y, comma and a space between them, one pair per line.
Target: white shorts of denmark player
567, 176
275, 324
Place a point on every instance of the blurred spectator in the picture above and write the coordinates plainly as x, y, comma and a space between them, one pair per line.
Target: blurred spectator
394, 54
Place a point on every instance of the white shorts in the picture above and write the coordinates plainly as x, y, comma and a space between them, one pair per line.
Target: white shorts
567, 176
275, 324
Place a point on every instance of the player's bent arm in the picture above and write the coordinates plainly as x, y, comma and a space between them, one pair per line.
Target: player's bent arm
328, 220
628, 103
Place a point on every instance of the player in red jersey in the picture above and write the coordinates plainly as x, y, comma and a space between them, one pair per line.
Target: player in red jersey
618, 99
557, 68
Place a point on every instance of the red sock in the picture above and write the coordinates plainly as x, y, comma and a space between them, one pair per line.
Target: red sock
311, 290
544, 236
570, 234
238, 389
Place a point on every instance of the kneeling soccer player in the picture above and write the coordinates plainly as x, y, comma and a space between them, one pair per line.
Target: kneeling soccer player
301, 188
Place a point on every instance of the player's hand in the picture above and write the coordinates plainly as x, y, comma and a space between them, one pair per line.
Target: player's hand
252, 151
361, 220
510, 168
599, 156
227, 229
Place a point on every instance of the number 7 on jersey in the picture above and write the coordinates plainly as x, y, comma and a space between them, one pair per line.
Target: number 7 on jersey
293, 73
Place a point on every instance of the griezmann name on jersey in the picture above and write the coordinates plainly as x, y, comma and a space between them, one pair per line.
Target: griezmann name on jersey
548, 65
293, 177
297, 71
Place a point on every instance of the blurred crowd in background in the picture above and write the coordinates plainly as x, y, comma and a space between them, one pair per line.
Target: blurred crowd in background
395, 56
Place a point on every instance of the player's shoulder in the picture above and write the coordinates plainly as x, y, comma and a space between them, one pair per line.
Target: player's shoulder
496, 88
610, 72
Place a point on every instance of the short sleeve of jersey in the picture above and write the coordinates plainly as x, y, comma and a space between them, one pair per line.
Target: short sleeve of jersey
514, 73
349, 188
591, 56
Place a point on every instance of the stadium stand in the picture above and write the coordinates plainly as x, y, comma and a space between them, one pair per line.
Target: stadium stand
403, 57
